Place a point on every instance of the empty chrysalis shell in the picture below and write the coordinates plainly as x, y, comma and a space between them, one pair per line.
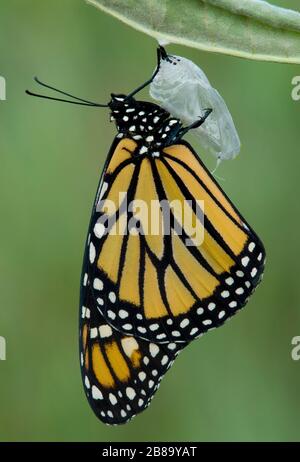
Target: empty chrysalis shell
183, 89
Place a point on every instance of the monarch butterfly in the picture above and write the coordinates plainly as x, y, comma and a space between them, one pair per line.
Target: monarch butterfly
144, 297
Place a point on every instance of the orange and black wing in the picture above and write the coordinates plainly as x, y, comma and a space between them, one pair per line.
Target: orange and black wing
149, 275
120, 373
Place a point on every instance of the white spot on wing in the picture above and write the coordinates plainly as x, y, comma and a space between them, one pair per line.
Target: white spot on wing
143, 150
123, 314
251, 246
184, 323
225, 294
161, 336
245, 261
154, 349
87, 382
142, 376
111, 314
92, 253
93, 332
229, 281
130, 392
112, 297
175, 333
194, 331
129, 345
172, 346
83, 310
254, 272
164, 360
96, 393
98, 284
99, 230
112, 399
239, 291
105, 331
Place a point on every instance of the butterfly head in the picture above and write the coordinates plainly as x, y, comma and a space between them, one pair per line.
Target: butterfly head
122, 108
146, 123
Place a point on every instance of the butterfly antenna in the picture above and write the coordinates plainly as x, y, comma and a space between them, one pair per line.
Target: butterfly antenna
80, 101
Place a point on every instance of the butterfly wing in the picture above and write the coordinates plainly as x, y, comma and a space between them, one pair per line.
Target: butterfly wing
164, 285
120, 373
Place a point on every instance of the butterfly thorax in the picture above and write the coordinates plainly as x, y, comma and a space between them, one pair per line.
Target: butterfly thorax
146, 123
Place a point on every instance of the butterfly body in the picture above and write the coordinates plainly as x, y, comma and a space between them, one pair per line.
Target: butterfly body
146, 123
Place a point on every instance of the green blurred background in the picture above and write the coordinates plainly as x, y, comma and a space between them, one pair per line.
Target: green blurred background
238, 382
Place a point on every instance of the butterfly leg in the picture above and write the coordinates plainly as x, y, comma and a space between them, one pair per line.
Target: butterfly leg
195, 124
160, 55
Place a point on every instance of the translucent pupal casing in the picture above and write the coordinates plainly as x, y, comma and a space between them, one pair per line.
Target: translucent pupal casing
183, 89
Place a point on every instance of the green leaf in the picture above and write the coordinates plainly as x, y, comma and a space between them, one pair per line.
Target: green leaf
251, 29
